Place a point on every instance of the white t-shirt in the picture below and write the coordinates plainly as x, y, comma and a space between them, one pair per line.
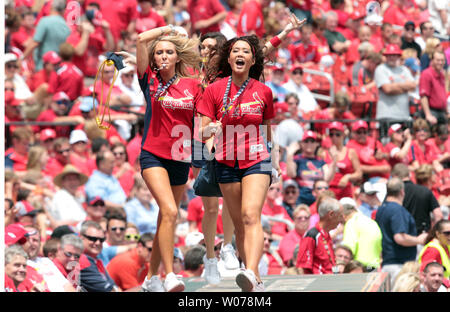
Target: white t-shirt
434, 6
307, 101
65, 207
53, 277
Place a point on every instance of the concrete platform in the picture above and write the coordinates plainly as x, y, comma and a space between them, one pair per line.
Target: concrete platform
365, 282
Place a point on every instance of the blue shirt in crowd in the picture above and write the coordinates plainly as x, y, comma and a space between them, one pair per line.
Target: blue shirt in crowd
145, 219
105, 186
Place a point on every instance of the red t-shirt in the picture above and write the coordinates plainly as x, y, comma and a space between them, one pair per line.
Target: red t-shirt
69, 80
366, 153
19, 161
41, 77
393, 149
19, 37
196, 210
435, 150
54, 167
119, 14
395, 16
277, 211
249, 111
315, 254
322, 44
251, 18
303, 53
343, 167
432, 85
134, 149
9, 284
126, 180
170, 132
82, 164
49, 116
149, 21
432, 254
422, 156
88, 62
33, 277
127, 270
202, 10
288, 244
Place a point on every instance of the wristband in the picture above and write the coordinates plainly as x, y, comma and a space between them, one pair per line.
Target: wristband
275, 41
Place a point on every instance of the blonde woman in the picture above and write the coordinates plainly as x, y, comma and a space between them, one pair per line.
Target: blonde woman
166, 142
407, 282
431, 45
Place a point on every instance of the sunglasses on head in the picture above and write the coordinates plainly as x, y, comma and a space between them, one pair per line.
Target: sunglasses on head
132, 237
70, 255
94, 239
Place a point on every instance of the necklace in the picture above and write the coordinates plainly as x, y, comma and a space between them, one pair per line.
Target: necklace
161, 89
227, 106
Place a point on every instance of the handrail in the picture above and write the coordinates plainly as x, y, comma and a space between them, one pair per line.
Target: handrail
289, 224
330, 79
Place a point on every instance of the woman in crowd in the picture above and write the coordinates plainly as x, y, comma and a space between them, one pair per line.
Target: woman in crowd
437, 246
348, 169
399, 145
123, 170
244, 176
166, 144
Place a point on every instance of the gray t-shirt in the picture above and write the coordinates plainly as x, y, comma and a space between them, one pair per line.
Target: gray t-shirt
287, 132
392, 106
51, 31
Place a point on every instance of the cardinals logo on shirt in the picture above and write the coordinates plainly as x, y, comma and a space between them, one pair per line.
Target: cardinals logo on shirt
251, 108
181, 103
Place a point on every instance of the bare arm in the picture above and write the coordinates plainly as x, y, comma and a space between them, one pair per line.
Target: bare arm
293, 24
219, 17
407, 240
291, 166
110, 43
30, 48
86, 30
398, 87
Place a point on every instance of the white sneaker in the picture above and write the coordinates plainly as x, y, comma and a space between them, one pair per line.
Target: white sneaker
228, 256
153, 284
246, 280
259, 287
212, 275
173, 284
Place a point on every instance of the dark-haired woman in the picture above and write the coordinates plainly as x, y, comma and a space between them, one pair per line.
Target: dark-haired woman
437, 246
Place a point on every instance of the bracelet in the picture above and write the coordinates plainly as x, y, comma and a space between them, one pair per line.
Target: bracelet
275, 41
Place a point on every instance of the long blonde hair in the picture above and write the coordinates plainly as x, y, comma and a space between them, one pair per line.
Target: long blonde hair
34, 157
187, 52
431, 45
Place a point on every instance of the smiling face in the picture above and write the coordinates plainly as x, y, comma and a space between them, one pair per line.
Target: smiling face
165, 56
241, 57
16, 269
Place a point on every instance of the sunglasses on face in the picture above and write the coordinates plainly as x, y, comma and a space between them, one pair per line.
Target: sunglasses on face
336, 134
268, 239
289, 192
70, 255
322, 188
132, 237
12, 66
446, 233
9, 89
297, 72
114, 229
361, 132
63, 151
94, 239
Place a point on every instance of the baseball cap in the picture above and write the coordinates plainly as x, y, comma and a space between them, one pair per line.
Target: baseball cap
336, 125
86, 103
409, 23
15, 233
277, 66
78, 135
392, 49
360, 124
357, 14
309, 135
60, 96
347, 201
296, 66
47, 134
51, 57
178, 254
96, 200
10, 57
368, 189
193, 238
412, 63
289, 183
394, 128
25, 208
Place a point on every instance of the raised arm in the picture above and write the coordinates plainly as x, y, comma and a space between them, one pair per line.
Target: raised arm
276, 41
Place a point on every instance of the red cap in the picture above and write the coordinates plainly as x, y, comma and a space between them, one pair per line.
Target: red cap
47, 134
394, 128
309, 135
276, 67
15, 233
51, 57
60, 96
281, 108
336, 125
10, 99
360, 124
392, 49
95, 200
296, 66
87, 91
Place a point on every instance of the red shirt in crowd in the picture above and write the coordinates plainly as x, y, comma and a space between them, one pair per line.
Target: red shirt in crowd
33, 277
275, 210
19, 37
343, 167
288, 244
253, 107
71, 276
54, 167
88, 62
128, 270
49, 116
196, 210
395, 15
202, 10
423, 156
37, 79
19, 161
119, 14
432, 85
315, 254
149, 21
304, 53
251, 19
366, 154
393, 149
69, 80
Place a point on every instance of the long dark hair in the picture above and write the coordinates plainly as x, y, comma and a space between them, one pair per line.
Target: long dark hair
435, 229
218, 64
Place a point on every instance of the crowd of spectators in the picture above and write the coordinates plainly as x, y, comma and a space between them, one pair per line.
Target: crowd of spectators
360, 90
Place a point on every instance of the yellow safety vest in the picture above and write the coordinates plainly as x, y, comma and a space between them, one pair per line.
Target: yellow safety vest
444, 258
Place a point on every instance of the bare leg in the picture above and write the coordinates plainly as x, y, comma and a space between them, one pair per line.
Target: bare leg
228, 226
209, 224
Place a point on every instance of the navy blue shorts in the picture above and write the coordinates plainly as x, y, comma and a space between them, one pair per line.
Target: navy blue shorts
198, 157
227, 174
178, 171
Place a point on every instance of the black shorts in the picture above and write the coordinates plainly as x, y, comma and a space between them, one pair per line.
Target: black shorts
178, 171
227, 174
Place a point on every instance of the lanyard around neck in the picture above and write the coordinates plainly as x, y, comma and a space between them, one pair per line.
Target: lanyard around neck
229, 105
161, 89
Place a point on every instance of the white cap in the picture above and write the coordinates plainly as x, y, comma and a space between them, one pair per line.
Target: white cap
368, 188
77, 136
193, 238
10, 57
347, 201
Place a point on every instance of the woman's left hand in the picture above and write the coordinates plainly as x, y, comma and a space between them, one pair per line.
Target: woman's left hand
294, 23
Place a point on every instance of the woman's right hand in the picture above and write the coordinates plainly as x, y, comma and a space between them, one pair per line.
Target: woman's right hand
213, 128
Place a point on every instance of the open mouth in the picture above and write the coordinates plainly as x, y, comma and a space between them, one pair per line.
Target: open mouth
240, 63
